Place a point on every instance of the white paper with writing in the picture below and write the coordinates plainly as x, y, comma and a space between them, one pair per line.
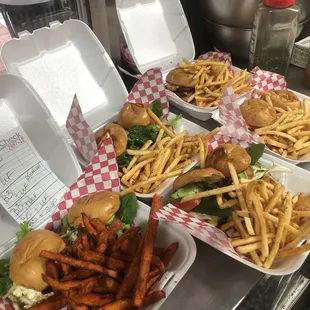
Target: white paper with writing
29, 190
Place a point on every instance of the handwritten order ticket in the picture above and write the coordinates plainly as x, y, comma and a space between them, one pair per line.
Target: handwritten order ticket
29, 190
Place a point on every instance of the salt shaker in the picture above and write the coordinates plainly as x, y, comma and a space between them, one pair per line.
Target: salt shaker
273, 35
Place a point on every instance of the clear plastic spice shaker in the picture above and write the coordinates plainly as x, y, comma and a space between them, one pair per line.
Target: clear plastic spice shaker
273, 35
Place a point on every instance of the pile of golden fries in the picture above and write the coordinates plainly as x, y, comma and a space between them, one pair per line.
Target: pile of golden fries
167, 157
266, 222
289, 135
214, 77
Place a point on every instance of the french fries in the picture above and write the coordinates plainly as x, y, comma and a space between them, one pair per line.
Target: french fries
268, 220
167, 157
289, 135
122, 276
212, 79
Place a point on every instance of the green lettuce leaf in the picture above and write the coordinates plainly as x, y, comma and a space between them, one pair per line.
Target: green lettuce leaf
5, 281
208, 205
123, 160
174, 122
139, 135
256, 151
128, 209
188, 190
24, 230
157, 108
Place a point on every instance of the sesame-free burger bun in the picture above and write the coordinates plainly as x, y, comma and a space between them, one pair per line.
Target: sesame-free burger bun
207, 175
284, 99
258, 113
26, 265
102, 205
117, 134
229, 153
181, 78
133, 114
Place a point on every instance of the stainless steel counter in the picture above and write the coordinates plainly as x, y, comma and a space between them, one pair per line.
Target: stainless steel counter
215, 281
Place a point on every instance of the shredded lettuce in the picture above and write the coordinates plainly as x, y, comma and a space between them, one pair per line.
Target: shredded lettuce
24, 230
259, 171
174, 122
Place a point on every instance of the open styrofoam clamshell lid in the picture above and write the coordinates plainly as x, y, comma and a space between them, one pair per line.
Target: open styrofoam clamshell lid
64, 60
156, 32
20, 106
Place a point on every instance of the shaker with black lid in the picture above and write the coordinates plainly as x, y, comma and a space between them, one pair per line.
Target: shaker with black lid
273, 35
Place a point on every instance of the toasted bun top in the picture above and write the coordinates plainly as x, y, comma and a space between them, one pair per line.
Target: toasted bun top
258, 113
26, 265
285, 98
181, 78
133, 114
229, 153
100, 205
118, 135
208, 176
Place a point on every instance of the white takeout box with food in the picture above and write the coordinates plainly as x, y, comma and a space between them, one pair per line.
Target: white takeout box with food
67, 59
296, 181
304, 159
158, 35
21, 106
167, 234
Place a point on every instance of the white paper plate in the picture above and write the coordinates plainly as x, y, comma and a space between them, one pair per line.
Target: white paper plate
304, 159
21, 106
167, 234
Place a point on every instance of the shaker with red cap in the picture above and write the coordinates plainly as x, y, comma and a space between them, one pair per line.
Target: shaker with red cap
273, 35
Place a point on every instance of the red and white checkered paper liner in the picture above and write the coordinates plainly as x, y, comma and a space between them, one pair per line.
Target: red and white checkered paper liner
219, 56
234, 126
201, 230
81, 133
148, 88
266, 80
100, 175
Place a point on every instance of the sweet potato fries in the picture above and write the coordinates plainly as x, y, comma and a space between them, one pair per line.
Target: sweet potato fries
101, 271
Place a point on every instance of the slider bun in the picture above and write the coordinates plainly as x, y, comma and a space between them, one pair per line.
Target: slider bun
258, 113
118, 136
208, 176
133, 114
102, 205
229, 153
26, 265
181, 78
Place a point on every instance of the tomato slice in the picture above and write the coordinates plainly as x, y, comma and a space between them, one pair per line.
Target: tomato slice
186, 206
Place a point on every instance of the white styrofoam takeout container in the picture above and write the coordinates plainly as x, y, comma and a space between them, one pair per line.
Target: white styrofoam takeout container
164, 188
304, 159
21, 106
167, 234
63, 60
297, 181
158, 35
